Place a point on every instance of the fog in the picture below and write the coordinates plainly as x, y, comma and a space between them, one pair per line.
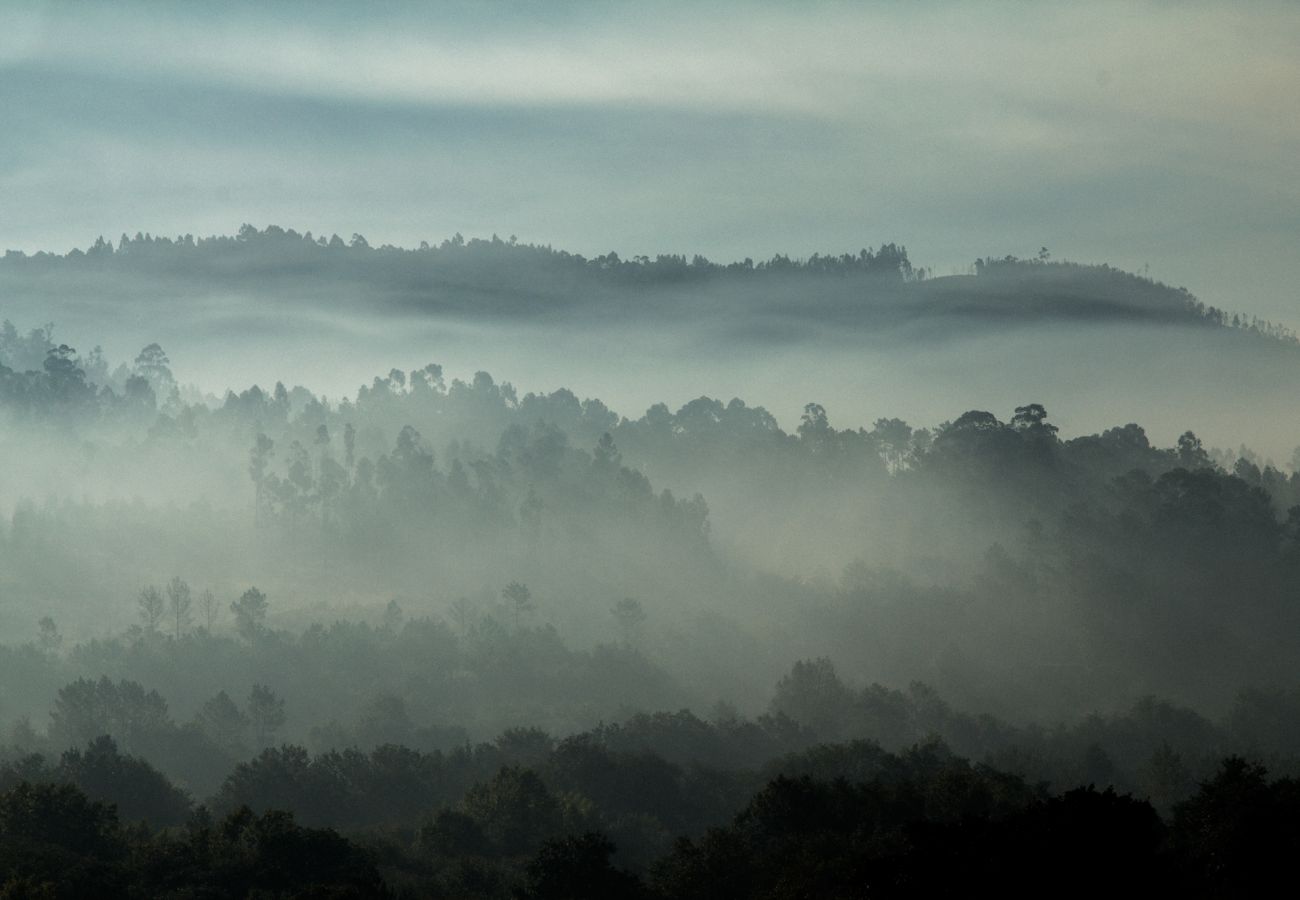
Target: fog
468, 455
919, 352
648, 451
293, 506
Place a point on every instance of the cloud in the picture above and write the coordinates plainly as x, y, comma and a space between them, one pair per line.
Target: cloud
1193, 62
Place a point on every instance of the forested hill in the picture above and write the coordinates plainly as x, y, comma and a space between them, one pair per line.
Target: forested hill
493, 277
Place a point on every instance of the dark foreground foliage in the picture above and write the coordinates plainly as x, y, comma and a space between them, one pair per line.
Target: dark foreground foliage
927, 824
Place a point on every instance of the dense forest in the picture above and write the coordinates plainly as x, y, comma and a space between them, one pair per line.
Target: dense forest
648, 451
444, 637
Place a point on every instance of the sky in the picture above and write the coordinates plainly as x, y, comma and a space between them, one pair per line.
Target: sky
1158, 137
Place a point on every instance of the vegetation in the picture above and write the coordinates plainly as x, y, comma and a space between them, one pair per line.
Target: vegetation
920, 823
445, 638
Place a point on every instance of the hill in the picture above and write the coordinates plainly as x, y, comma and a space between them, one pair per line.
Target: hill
494, 277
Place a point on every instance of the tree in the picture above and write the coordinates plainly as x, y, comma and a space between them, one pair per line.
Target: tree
1165, 779
813, 695
975, 420
393, 616
258, 460
1032, 417
1191, 454
138, 791
66, 380
519, 599
85, 709
221, 720
464, 613
266, 712
606, 458
139, 393
153, 365
453, 834
57, 814
250, 614
814, 425
178, 605
152, 607
349, 445
1239, 830
384, 720
515, 810
271, 856
48, 638
577, 867
209, 608
629, 614
893, 437
299, 480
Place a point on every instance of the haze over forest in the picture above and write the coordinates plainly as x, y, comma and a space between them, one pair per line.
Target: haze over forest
482, 549
329, 313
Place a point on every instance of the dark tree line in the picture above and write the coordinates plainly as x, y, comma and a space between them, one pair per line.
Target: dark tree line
495, 277
919, 824
1112, 282
251, 251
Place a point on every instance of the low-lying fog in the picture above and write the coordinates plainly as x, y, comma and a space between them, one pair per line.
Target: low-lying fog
1089, 375
995, 558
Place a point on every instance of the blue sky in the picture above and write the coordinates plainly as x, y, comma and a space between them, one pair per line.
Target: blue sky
1135, 133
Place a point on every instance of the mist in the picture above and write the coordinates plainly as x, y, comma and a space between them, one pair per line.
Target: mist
665, 452
871, 349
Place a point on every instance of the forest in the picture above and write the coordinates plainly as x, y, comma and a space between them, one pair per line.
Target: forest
446, 636
649, 450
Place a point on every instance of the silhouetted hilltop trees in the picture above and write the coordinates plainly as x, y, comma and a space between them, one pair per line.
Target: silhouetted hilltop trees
254, 254
1084, 290
875, 287
476, 277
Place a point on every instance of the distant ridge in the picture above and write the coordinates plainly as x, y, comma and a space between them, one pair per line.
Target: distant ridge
495, 277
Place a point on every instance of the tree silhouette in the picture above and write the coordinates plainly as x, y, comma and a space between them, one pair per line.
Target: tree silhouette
250, 614
629, 614
518, 598
49, 639
224, 723
154, 367
152, 607
258, 460
178, 605
265, 712
209, 608
578, 868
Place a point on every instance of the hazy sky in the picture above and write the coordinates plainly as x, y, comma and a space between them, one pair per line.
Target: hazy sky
1163, 133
